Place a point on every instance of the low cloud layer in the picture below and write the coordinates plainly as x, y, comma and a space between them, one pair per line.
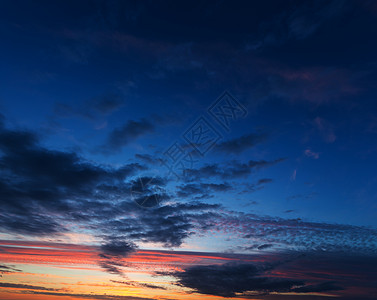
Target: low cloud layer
229, 280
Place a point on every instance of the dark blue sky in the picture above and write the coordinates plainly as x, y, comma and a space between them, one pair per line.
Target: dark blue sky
306, 73
91, 91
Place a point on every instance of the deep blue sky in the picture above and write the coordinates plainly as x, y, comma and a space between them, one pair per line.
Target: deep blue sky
92, 91
305, 72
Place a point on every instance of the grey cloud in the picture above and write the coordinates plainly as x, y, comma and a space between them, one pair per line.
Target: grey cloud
200, 189
230, 170
241, 144
24, 286
122, 136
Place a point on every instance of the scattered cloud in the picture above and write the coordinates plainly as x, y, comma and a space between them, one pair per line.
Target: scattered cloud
310, 153
43, 191
130, 131
193, 190
24, 286
232, 279
230, 170
240, 144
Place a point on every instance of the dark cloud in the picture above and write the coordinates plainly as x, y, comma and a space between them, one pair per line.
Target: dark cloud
138, 284
233, 279
255, 247
89, 296
36, 181
319, 288
30, 222
149, 191
148, 159
168, 224
240, 144
118, 248
230, 170
264, 180
112, 252
264, 246
112, 266
43, 190
194, 190
297, 234
127, 133
8, 269
25, 286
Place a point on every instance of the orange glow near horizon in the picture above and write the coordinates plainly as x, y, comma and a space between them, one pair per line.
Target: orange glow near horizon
71, 270
42, 270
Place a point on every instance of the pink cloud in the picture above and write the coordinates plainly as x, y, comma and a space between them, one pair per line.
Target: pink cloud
310, 153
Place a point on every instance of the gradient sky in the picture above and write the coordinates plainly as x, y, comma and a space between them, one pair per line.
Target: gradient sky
188, 150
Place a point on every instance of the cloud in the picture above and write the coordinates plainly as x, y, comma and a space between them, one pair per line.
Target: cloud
131, 283
24, 286
264, 246
90, 296
43, 192
112, 266
264, 180
118, 248
36, 183
313, 267
230, 170
310, 153
236, 279
318, 288
127, 133
201, 189
112, 252
296, 234
149, 191
8, 269
148, 159
168, 224
240, 144
255, 247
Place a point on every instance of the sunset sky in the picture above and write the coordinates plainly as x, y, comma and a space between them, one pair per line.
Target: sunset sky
183, 150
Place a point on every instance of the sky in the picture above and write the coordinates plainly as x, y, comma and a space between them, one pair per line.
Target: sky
188, 150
